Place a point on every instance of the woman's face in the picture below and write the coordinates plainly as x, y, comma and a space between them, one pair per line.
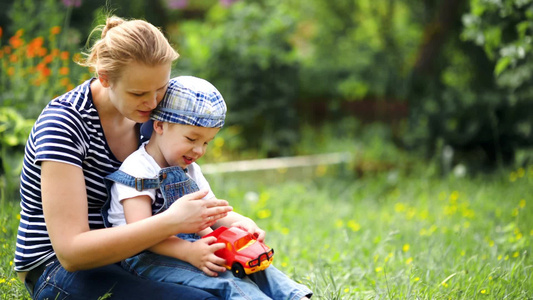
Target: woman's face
139, 89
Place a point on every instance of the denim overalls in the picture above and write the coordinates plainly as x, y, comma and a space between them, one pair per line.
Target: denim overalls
172, 182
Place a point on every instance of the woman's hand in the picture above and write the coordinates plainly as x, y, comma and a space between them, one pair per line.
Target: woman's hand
191, 214
202, 256
249, 225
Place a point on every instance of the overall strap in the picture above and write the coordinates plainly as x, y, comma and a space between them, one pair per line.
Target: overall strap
138, 183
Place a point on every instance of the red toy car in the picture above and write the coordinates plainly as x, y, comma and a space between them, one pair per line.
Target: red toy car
244, 254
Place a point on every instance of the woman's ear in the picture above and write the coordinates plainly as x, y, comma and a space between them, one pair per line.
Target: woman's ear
158, 126
102, 76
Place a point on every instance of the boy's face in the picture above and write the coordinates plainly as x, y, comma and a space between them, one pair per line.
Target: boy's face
181, 145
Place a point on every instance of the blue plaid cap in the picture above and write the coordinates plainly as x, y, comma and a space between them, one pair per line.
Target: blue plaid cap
191, 101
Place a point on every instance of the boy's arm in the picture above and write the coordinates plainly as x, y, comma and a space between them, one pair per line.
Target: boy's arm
200, 253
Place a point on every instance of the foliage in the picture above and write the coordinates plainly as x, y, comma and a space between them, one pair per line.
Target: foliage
34, 67
14, 130
356, 49
250, 61
464, 104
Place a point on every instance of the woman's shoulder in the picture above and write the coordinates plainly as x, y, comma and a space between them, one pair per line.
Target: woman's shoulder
78, 99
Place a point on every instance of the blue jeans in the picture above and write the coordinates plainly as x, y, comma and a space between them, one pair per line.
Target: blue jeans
268, 284
57, 283
173, 184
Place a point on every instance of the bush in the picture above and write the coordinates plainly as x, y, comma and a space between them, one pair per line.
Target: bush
244, 51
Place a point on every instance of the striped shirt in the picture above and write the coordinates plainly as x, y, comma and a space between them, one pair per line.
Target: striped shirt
68, 131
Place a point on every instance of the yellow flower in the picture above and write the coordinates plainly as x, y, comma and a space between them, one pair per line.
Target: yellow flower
483, 291
264, 213
409, 261
417, 279
399, 207
354, 226
379, 269
522, 203
346, 290
285, 230
454, 196
516, 254
406, 247
512, 177
339, 223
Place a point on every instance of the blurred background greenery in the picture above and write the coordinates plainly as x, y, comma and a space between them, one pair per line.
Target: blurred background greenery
445, 81
431, 100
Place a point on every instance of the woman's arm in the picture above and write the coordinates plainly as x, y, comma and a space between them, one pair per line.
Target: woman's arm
200, 254
77, 247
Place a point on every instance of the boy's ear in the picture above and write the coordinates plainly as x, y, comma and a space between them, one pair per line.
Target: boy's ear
158, 126
102, 76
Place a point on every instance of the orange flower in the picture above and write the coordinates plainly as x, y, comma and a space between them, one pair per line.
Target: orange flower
48, 59
55, 30
55, 52
7, 50
16, 41
64, 81
34, 47
64, 55
46, 71
13, 58
0, 31
42, 52
37, 42
10, 71
19, 33
64, 71
40, 67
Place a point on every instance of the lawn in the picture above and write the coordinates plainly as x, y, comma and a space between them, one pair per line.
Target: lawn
389, 235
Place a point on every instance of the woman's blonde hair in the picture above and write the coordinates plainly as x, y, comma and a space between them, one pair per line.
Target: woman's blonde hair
125, 41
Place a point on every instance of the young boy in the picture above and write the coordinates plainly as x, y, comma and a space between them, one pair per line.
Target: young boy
161, 171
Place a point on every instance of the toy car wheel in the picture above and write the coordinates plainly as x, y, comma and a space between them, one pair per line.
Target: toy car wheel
238, 270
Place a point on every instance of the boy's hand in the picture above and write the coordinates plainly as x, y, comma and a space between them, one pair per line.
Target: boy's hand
203, 256
250, 226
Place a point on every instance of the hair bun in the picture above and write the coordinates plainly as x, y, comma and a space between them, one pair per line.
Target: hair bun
111, 22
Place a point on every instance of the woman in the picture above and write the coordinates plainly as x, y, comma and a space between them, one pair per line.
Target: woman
79, 138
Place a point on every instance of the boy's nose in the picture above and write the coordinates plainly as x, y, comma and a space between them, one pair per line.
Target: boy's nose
198, 150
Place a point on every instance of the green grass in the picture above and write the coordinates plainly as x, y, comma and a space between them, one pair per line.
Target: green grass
392, 235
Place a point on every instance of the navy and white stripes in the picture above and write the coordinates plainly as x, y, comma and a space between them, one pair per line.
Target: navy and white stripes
68, 131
